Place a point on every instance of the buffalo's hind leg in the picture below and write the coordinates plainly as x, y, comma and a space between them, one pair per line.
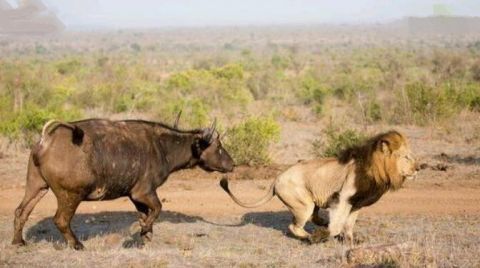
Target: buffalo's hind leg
67, 205
35, 189
149, 207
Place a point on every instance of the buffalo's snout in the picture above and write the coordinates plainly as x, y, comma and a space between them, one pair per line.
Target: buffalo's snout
228, 166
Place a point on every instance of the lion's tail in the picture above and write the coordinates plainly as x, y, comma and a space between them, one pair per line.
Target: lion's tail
270, 194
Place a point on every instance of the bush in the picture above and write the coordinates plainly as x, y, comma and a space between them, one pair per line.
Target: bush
373, 111
223, 86
229, 72
475, 104
426, 104
68, 67
248, 142
280, 62
313, 92
337, 141
475, 70
194, 112
135, 47
26, 125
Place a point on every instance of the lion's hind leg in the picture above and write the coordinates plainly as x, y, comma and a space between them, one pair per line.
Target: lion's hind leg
298, 201
302, 212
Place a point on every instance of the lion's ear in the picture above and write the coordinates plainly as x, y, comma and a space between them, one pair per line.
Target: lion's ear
385, 147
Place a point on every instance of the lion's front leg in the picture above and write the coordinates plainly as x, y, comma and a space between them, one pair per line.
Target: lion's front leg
348, 229
338, 215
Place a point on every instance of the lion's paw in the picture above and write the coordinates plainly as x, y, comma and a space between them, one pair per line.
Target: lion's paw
320, 235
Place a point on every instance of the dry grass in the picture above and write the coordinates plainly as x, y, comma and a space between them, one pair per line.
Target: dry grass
259, 240
443, 238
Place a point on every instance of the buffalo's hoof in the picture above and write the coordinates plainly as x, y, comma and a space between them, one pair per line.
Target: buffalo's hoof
134, 243
147, 237
19, 242
77, 246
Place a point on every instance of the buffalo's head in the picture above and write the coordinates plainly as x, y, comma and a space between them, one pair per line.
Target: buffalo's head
210, 153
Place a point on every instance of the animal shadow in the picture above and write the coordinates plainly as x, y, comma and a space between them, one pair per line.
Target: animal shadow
278, 220
90, 225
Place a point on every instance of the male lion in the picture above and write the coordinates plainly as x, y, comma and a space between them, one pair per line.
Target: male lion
358, 178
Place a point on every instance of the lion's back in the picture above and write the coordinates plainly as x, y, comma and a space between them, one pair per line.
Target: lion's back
321, 178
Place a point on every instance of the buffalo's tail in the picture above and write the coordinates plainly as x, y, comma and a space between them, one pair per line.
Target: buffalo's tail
52, 125
47, 130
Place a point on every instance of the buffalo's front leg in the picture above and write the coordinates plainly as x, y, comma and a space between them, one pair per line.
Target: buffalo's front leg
142, 210
142, 202
67, 205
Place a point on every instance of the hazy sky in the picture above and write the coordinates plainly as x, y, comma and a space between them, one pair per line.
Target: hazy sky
158, 13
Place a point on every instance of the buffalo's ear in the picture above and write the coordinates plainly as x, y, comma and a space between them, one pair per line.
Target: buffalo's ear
385, 147
197, 147
200, 143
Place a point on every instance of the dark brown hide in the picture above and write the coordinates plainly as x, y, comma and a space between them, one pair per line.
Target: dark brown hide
111, 159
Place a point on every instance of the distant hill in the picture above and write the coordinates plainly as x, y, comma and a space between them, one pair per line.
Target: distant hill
31, 17
440, 25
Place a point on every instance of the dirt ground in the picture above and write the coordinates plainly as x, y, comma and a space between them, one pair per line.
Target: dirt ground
200, 226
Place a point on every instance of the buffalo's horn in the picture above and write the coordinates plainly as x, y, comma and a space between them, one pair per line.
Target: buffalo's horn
211, 130
214, 125
175, 125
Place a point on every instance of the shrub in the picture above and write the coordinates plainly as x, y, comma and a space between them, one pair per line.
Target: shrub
220, 87
135, 47
336, 142
39, 49
280, 62
68, 67
229, 72
180, 81
475, 70
426, 104
373, 111
469, 97
313, 92
26, 125
249, 141
194, 112
475, 104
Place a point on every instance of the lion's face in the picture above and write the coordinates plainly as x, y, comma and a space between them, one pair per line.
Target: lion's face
406, 165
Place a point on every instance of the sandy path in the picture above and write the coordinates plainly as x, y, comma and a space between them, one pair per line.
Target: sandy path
203, 197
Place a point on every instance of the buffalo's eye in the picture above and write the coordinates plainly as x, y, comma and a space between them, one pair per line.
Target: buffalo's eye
220, 151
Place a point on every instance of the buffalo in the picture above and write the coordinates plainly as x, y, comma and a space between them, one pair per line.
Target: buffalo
100, 159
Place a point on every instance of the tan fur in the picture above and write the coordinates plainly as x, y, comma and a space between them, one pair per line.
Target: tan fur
358, 178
